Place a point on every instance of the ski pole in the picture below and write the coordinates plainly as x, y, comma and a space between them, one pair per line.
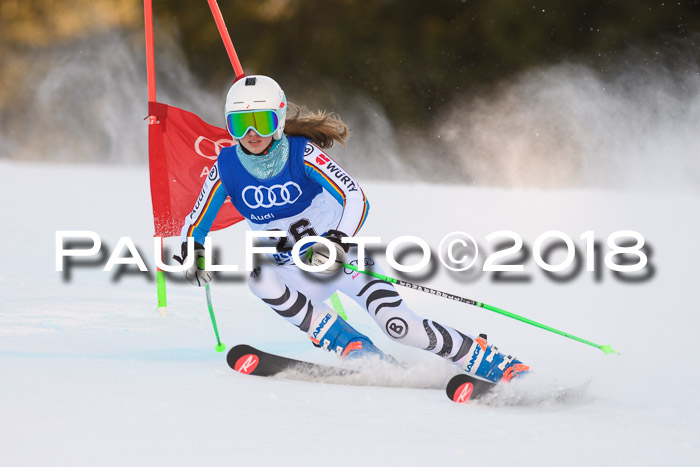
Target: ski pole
338, 306
607, 349
219, 346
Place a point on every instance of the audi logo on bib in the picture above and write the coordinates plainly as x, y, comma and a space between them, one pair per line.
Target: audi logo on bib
275, 195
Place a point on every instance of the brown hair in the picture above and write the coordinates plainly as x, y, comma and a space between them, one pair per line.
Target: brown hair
320, 127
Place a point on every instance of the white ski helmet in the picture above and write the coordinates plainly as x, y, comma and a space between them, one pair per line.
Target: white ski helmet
257, 92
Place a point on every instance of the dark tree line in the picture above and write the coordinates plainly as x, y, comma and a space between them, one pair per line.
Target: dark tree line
414, 56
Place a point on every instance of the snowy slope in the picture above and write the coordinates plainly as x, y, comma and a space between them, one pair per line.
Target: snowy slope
92, 374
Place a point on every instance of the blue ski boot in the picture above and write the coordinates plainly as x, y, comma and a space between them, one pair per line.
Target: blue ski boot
333, 333
486, 362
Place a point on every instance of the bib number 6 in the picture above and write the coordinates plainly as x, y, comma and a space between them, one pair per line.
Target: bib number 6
298, 230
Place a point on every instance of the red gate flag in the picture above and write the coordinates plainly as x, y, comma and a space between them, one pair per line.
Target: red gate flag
181, 150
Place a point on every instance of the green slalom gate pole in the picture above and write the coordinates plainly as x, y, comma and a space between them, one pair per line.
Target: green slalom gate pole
607, 349
219, 346
162, 296
338, 306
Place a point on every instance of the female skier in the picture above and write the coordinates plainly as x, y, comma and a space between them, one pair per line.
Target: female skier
279, 178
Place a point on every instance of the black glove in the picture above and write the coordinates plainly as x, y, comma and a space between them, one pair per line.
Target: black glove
195, 274
319, 252
336, 236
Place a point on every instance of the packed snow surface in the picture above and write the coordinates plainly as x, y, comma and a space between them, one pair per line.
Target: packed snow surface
93, 374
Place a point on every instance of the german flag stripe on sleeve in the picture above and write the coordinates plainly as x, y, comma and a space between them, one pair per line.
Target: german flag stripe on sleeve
340, 184
340, 194
365, 210
204, 210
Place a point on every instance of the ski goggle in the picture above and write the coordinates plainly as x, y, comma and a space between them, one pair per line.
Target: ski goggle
263, 122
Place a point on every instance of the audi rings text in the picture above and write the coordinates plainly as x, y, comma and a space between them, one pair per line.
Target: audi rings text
275, 195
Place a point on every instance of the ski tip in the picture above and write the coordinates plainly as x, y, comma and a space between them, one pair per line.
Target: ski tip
243, 358
460, 389
246, 364
463, 388
463, 393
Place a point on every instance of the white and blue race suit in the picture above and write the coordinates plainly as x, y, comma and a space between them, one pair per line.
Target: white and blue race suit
310, 196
